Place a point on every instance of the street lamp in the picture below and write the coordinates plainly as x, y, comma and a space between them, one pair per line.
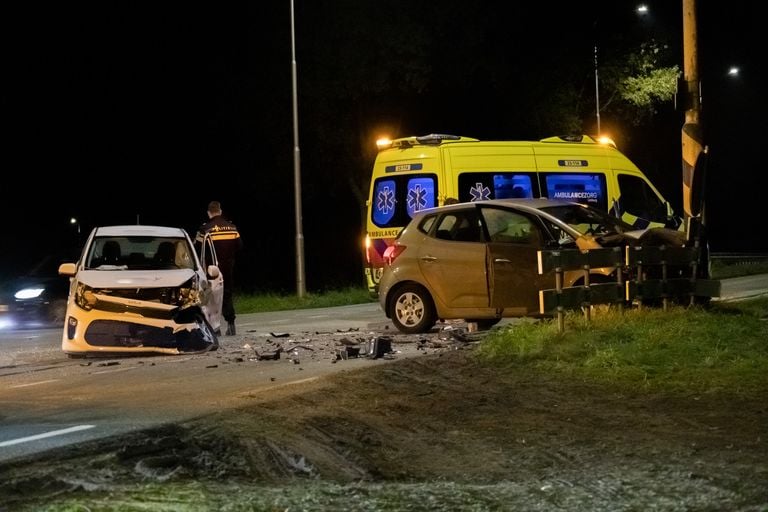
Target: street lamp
597, 94
641, 10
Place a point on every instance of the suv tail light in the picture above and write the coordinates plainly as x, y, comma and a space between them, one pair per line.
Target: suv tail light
392, 252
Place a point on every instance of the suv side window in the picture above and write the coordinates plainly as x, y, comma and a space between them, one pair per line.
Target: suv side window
507, 226
460, 226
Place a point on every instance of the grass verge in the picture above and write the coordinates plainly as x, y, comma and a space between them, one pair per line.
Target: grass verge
723, 348
254, 303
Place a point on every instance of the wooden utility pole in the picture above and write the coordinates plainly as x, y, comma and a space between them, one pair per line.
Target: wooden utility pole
694, 150
692, 133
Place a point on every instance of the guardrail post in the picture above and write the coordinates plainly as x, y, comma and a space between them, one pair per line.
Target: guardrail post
665, 296
588, 304
694, 271
559, 288
620, 281
640, 283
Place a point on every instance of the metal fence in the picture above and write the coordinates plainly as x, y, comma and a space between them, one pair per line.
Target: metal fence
635, 263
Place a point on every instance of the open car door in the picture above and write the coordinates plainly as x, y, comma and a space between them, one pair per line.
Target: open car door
213, 302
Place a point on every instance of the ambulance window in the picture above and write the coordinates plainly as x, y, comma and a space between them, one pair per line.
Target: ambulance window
479, 186
585, 188
638, 198
397, 198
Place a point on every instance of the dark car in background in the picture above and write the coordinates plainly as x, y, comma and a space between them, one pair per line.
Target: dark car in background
35, 298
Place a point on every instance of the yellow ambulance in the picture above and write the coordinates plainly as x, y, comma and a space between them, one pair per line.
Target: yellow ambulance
414, 173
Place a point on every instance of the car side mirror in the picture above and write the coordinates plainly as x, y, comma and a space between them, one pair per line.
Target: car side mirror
213, 271
67, 269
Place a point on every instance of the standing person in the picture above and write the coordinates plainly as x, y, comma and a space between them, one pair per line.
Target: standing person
227, 242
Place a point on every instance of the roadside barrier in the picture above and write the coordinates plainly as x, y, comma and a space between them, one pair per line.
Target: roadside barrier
631, 267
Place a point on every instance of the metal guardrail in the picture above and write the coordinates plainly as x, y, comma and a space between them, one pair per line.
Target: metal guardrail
739, 257
632, 259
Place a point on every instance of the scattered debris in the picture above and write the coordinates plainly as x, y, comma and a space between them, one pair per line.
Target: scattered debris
109, 363
347, 352
303, 347
269, 356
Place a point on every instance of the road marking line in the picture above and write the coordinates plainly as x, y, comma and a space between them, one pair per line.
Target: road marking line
52, 433
33, 383
112, 371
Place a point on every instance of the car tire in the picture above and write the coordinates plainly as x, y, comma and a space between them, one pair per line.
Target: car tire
412, 310
210, 332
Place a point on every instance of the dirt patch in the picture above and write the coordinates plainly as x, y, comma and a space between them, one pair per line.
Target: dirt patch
445, 417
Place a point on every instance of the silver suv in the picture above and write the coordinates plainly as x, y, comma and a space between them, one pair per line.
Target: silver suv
478, 261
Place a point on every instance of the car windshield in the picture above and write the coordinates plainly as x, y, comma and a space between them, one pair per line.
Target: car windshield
587, 220
139, 253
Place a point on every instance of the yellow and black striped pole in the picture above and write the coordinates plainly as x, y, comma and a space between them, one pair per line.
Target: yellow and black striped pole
692, 132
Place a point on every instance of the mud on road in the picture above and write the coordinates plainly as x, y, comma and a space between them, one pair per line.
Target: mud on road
444, 416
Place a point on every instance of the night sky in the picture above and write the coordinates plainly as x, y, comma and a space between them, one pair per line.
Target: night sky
145, 112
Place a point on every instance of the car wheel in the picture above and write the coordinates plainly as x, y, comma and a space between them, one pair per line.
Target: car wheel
412, 310
484, 324
209, 333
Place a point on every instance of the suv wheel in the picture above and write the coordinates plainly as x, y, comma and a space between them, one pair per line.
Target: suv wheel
412, 310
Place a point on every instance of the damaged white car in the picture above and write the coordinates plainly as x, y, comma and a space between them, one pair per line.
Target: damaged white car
142, 289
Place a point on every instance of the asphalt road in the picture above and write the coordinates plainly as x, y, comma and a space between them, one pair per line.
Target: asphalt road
48, 400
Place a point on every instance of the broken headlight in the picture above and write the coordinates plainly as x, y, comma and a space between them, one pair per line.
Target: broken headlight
85, 297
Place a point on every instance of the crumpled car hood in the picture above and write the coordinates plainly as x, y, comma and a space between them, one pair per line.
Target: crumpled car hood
647, 236
134, 278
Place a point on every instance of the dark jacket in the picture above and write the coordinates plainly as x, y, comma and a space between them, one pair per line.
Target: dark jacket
225, 238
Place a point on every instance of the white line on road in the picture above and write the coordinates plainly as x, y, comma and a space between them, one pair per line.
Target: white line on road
125, 369
52, 433
33, 383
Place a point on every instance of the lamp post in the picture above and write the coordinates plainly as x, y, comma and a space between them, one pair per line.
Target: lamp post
597, 94
641, 10
301, 288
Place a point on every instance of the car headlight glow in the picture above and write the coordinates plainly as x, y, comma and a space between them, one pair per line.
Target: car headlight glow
28, 293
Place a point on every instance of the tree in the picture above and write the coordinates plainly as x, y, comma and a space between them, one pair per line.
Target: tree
636, 82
